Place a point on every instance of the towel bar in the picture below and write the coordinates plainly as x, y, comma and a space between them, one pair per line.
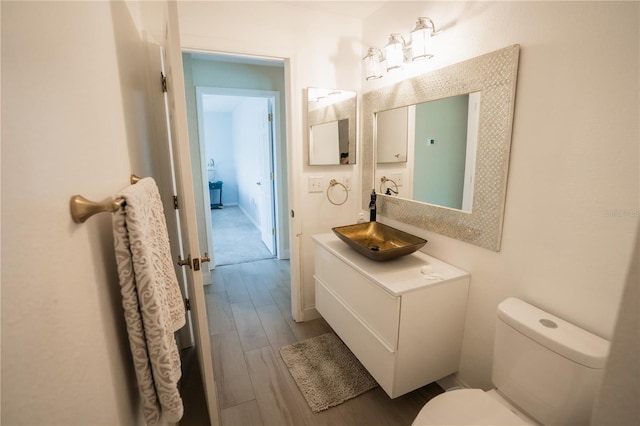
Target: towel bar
82, 209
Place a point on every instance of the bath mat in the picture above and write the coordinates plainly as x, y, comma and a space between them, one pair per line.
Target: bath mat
326, 371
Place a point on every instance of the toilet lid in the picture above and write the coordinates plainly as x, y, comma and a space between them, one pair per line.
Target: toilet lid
466, 407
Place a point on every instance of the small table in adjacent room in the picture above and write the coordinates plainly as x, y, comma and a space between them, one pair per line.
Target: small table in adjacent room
212, 187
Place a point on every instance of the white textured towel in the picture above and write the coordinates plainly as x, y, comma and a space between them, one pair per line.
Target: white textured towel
153, 306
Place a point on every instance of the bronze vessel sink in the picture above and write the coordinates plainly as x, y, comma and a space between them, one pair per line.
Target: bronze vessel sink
378, 241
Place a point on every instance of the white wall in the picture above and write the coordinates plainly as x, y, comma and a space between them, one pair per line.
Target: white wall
323, 49
76, 120
574, 158
219, 145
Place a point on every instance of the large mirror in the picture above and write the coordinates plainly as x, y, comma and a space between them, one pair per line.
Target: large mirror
486, 83
331, 116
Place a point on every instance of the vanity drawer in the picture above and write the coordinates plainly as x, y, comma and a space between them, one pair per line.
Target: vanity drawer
365, 345
379, 310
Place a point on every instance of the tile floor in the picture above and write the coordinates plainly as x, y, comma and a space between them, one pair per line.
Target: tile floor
249, 310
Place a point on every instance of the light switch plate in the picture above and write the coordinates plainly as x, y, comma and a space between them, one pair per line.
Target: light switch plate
315, 184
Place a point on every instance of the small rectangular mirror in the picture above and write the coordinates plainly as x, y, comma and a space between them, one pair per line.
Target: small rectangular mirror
332, 124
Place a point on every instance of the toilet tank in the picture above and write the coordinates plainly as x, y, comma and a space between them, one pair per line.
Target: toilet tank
547, 367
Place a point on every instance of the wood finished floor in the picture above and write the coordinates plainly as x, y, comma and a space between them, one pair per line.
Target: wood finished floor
249, 312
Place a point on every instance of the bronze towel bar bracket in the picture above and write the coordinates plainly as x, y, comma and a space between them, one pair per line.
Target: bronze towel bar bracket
82, 209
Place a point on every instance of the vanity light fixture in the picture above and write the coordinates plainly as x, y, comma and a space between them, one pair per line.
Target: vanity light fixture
394, 51
372, 64
316, 95
396, 48
420, 35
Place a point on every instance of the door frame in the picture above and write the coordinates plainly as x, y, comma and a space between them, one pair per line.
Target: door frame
293, 157
278, 221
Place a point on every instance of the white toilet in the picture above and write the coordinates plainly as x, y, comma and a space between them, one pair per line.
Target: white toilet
545, 370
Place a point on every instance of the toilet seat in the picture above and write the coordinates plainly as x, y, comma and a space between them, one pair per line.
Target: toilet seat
466, 407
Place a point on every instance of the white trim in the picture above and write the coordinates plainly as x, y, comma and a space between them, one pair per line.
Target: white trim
205, 186
451, 381
473, 124
295, 164
311, 313
294, 154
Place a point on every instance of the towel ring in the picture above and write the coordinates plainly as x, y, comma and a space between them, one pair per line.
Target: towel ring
333, 183
385, 179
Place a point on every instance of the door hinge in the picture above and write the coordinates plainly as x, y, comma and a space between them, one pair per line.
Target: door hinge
164, 82
187, 304
293, 214
270, 117
271, 176
273, 231
175, 202
184, 262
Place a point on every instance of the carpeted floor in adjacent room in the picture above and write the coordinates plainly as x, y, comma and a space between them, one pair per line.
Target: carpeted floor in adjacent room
235, 238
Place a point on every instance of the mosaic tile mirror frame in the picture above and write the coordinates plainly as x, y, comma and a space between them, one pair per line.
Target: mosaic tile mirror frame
494, 75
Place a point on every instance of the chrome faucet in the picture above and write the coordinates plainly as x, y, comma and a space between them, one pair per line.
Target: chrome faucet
372, 206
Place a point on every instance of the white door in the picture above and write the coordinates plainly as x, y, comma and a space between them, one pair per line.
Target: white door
179, 141
265, 180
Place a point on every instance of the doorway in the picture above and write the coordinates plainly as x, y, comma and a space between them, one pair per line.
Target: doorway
236, 99
239, 292
236, 133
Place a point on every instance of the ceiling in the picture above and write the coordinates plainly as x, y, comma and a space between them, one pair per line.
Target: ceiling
352, 9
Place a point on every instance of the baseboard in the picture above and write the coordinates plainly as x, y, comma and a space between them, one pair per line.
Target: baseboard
451, 381
284, 254
250, 217
311, 313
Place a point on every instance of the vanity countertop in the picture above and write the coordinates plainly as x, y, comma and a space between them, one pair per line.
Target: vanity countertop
397, 276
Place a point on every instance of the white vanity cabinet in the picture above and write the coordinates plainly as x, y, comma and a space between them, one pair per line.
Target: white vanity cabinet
405, 326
